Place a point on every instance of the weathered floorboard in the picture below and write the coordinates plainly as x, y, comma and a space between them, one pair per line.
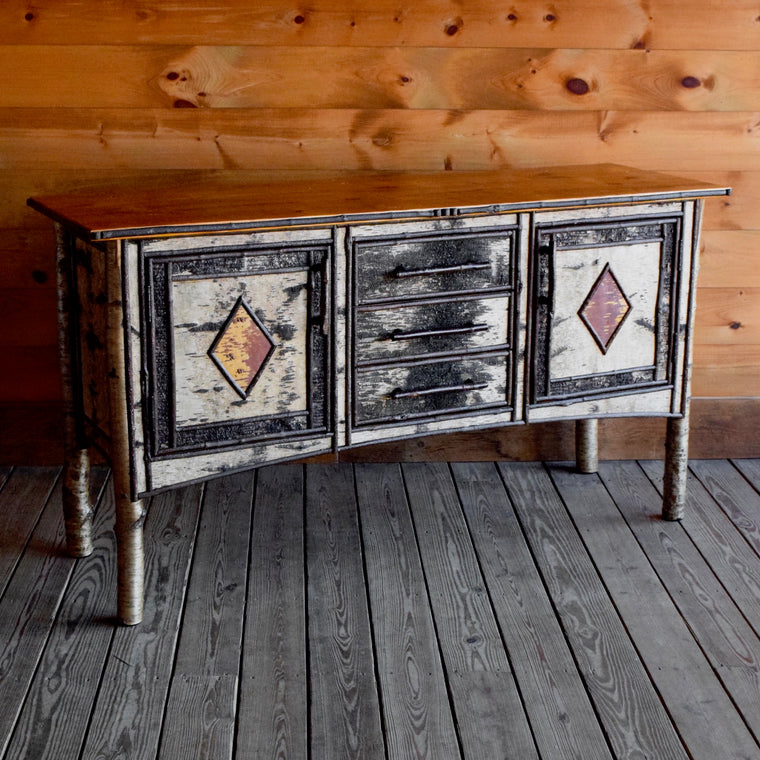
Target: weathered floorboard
53, 723
728, 553
273, 714
625, 699
200, 711
30, 487
489, 711
676, 666
738, 498
30, 605
718, 625
126, 720
393, 612
418, 720
558, 707
345, 713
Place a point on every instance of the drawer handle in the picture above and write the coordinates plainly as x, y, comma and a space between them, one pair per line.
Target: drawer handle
400, 272
412, 334
466, 386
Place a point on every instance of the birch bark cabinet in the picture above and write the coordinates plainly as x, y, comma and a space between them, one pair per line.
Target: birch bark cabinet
206, 328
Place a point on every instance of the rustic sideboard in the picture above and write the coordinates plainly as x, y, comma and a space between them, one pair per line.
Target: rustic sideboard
207, 327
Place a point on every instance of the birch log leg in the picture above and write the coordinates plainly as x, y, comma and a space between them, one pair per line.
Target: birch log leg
77, 510
587, 445
129, 512
676, 467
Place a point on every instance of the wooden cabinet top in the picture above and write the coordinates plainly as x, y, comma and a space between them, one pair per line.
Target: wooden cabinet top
177, 204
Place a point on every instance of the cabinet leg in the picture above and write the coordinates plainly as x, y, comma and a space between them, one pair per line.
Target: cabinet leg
77, 510
587, 445
130, 560
676, 467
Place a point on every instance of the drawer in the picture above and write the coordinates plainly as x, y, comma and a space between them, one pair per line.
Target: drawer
421, 266
431, 388
461, 326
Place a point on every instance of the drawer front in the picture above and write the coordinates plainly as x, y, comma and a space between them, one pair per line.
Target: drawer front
437, 327
423, 265
428, 389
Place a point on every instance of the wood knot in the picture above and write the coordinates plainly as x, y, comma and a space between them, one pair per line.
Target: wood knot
550, 18
29, 16
735, 325
577, 86
181, 103
512, 17
299, 19
690, 82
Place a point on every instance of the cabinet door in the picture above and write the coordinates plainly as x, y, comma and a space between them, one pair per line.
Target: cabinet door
236, 342
604, 308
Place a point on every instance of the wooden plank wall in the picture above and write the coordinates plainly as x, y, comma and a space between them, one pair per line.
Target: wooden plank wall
91, 90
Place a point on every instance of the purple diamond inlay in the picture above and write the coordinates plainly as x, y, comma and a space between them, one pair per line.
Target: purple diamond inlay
605, 309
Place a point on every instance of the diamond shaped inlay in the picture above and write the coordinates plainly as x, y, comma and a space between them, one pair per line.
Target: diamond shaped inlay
242, 348
605, 309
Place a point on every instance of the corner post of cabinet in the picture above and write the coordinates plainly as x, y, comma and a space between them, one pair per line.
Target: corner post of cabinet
77, 510
677, 439
129, 510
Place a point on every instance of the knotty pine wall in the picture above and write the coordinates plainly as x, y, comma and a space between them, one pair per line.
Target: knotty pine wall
104, 89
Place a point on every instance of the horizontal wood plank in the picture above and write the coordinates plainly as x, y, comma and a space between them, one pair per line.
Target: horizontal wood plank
254, 77
618, 24
126, 140
729, 259
727, 316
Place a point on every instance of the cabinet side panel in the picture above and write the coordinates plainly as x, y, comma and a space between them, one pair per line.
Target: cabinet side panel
685, 304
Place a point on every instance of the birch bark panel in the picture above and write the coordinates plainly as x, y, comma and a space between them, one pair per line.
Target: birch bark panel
620, 24
200, 308
573, 349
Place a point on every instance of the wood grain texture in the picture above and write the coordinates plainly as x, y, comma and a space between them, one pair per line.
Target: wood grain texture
345, 712
620, 24
742, 513
54, 721
725, 635
294, 87
628, 706
32, 595
202, 700
481, 681
126, 718
33, 489
659, 632
252, 77
731, 556
417, 717
273, 713
560, 713
123, 141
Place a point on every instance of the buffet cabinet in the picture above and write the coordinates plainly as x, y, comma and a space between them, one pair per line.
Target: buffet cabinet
210, 329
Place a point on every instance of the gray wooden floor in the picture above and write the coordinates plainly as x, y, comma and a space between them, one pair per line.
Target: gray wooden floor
381, 611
